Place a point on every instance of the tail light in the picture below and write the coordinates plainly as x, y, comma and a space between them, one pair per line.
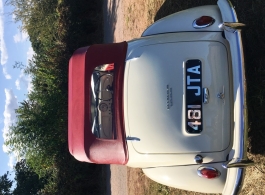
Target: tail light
208, 172
203, 22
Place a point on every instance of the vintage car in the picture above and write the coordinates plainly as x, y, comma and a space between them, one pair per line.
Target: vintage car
172, 102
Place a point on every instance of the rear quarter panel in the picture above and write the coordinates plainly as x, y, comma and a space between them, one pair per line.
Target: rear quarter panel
182, 21
186, 178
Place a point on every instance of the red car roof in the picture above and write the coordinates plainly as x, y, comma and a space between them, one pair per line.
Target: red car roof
83, 145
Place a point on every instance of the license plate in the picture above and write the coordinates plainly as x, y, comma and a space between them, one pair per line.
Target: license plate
193, 96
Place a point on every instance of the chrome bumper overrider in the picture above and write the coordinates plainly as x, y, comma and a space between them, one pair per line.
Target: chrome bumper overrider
238, 163
235, 171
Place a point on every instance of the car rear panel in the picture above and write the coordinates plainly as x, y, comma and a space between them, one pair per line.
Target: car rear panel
158, 88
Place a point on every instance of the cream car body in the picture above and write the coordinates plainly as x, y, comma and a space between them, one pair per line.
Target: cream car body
171, 139
155, 112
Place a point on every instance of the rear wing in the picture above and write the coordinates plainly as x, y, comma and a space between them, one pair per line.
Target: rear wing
83, 145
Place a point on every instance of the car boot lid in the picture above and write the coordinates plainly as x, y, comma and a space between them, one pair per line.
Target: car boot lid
159, 92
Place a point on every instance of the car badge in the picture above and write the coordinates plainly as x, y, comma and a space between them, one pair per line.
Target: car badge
206, 95
169, 97
221, 95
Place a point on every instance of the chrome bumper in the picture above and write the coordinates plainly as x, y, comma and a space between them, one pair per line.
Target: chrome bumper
235, 171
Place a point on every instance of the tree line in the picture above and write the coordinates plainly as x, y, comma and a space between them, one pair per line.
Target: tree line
56, 29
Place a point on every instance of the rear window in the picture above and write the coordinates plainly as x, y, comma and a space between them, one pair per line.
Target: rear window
102, 101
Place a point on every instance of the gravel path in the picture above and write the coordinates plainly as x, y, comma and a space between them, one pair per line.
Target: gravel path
113, 32
118, 180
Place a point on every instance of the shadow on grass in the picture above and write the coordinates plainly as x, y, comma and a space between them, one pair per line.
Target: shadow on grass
110, 19
172, 6
106, 176
251, 13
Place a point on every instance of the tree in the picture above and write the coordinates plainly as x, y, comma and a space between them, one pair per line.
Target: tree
56, 29
28, 182
5, 184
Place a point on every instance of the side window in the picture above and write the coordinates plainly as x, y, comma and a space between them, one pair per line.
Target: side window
102, 101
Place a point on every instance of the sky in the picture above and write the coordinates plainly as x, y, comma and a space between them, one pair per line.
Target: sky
14, 85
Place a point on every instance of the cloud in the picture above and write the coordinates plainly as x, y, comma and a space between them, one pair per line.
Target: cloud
4, 55
24, 81
8, 76
18, 83
11, 105
20, 37
12, 161
13, 17
30, 85
30, 53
